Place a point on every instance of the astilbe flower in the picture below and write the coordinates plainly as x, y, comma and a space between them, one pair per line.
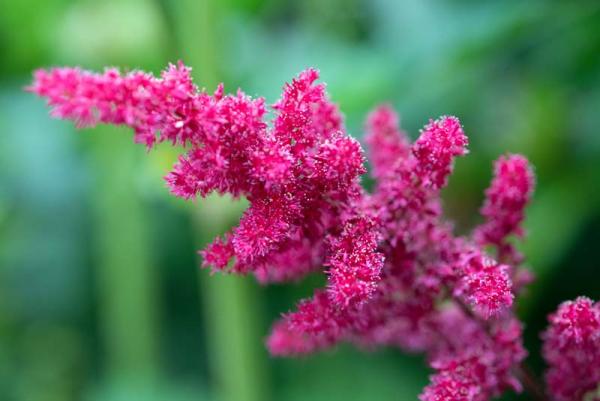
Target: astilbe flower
504, 206
397, 275
300, 174
572, 350
430, 276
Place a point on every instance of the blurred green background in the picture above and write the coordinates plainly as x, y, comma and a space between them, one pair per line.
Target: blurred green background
101, 297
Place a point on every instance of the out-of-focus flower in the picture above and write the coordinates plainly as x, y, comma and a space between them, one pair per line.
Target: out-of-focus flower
572, 350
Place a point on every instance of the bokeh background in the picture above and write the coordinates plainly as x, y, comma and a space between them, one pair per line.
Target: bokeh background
101, 297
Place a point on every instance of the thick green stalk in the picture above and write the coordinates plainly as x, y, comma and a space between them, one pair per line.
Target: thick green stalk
125, 275
233, 316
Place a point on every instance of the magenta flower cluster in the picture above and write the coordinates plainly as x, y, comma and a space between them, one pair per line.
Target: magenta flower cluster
572, 349
397, 275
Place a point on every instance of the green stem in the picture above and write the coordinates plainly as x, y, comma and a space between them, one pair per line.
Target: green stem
125, 276
233, 317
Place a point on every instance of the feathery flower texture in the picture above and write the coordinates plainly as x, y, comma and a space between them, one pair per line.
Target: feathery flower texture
396, 273
572, 350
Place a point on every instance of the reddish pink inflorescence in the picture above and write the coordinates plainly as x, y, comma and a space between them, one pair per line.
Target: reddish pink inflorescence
504, 206
572, 350
396, 273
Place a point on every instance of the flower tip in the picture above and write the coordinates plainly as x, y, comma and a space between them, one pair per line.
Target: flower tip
439, 143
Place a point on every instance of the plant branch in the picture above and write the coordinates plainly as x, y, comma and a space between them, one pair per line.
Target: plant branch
530, 381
